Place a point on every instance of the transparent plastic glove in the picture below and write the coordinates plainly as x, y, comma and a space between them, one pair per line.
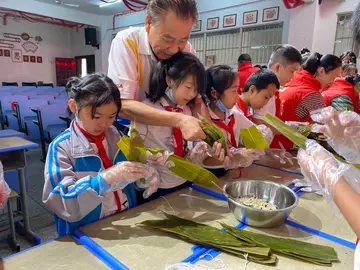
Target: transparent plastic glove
342, 130
151, 182
126, 172
202, 150
279, 155
266, 132
307, 186
242, 157
321, 167
159, 158
296, 125
4, 188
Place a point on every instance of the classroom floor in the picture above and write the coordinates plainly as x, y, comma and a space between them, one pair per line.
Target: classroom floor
41, 220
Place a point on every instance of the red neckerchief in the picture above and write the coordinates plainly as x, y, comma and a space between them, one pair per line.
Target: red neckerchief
228, 127
277, 103
242, 107
178, 138
357, 241
98, 140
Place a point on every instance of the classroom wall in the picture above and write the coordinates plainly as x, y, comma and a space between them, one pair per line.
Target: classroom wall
57, 41
207, 9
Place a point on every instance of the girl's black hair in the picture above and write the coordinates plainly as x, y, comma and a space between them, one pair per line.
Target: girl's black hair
178, 68
219, 78
261, 80
353, 79
329, 62
351, 54
93, 90
304, 50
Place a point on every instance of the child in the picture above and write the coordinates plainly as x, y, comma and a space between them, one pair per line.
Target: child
258, 90
302, 94
175, 83
343, 94
221, 94
86, 176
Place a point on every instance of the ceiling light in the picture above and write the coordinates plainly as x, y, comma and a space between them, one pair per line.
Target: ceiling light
108, 4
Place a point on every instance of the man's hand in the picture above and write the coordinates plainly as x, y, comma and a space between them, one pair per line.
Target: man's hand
191, 128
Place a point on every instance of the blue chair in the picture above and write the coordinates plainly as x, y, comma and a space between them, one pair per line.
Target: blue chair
61, 100
42, 96
49, 123
10, 88
25, 117
46, 85
29, 84
7, 112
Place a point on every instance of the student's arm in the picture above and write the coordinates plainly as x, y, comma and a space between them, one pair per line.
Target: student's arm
342, 103
64, 194
348, 201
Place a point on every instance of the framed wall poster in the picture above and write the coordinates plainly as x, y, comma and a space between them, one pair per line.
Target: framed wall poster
1, 52
250, 17
25, 58
229, 20
16, 56
39, 59
32, 59
7, 53
210, 60
197, 26
212, 23
270, 14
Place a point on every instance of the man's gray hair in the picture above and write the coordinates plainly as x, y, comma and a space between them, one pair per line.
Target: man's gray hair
184, 9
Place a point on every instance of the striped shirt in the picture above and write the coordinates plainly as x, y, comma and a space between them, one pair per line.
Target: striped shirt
342, 103
310, 103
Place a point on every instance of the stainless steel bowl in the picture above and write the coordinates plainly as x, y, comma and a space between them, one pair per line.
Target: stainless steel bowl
281, 196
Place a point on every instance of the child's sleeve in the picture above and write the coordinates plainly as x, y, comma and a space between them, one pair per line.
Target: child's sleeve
64, 194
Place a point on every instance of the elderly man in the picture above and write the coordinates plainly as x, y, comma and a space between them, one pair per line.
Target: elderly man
135, 51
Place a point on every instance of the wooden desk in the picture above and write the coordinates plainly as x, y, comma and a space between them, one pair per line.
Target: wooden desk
63, 253
12, 156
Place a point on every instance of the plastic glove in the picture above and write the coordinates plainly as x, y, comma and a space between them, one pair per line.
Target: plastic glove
242, 157
279, 155
307, 186
4, 188
321, 167
125, 171
266, 132
151, 183
202, 150
159, 158
342, 130
296, 125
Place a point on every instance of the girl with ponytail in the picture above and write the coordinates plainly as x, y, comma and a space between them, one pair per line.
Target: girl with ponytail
343, 94
302, 95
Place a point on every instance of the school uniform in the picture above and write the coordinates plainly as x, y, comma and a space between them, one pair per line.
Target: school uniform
245, 70
74, 190
296, 101
341, 95
241, 106
131, 61
166, 138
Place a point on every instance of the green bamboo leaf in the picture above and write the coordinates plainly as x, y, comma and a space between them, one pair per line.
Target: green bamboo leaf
253, 139
296, 137
134, 150
213, 134
289, 247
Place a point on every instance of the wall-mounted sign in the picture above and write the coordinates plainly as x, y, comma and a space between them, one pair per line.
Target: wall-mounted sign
30, 46
26, 58
16, 56
212, 23
197, 26
270, 14
250, 17
229, 20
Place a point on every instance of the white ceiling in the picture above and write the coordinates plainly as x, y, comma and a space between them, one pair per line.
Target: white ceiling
92, 6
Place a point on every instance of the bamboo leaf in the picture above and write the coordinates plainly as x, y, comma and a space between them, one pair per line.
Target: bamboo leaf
134, 150
296, 137
298, 249
213, 134
253, 139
